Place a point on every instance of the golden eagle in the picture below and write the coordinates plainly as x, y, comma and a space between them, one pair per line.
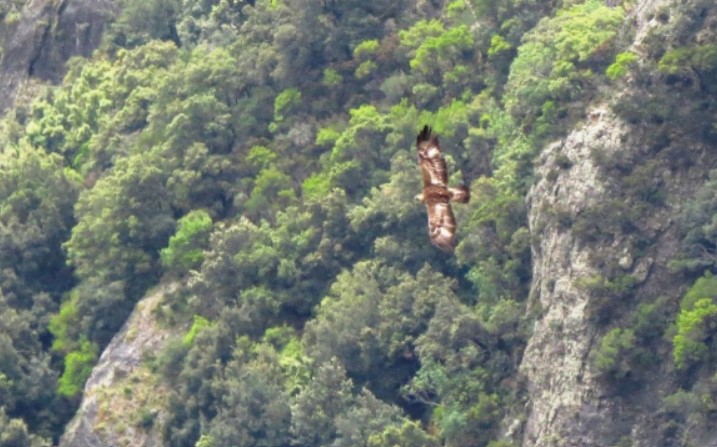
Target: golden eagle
437, 195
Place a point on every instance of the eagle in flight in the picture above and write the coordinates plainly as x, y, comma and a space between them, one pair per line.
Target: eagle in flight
437, 195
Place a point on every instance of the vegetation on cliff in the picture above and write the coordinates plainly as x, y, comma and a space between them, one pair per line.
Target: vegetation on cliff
260, 152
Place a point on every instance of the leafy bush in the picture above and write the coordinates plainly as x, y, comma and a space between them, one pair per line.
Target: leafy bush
78, 366
683, 403
623, 62
285, 102
186, 248
366, 49
141, 21
701, 59
606, 294
703, 287
615, 356
14, 432
558, 60
697, 224
498, 45
603, 220
694, 329
410, 433
198, 324
650, 319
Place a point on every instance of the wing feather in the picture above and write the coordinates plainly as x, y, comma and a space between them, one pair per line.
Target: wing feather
434, 171
441, 221
433, 165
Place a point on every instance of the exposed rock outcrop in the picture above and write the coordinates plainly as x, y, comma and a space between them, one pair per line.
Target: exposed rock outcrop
563, 395
122, 401
45, 34
570, 405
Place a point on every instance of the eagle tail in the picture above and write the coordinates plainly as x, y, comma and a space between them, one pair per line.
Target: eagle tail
444, 244
461, 194
424, 135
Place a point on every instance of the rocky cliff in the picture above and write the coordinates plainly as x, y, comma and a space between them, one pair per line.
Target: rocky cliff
591, 233
569, 405
41, 35
122, 399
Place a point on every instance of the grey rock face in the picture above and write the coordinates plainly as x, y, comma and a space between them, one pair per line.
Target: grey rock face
44, 37
121, 395
564, 397
569, 405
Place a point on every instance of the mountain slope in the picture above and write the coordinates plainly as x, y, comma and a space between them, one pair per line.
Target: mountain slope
258, 156
609, 211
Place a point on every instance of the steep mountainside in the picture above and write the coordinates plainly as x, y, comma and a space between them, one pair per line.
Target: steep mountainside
208, 235
607, 215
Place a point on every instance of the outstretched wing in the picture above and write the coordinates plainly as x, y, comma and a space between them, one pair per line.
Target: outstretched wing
441, 221
433, 166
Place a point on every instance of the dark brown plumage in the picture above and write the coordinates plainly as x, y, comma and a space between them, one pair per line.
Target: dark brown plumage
437, 195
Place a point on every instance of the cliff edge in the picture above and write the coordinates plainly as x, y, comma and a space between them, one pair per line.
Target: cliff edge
603, 219
123, 400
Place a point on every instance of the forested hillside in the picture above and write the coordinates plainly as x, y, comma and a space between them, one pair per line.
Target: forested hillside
254, 161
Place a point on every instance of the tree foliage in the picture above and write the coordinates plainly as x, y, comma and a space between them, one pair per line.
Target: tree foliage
558, 61
692, 343
186, 247
698, 228
259, 153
